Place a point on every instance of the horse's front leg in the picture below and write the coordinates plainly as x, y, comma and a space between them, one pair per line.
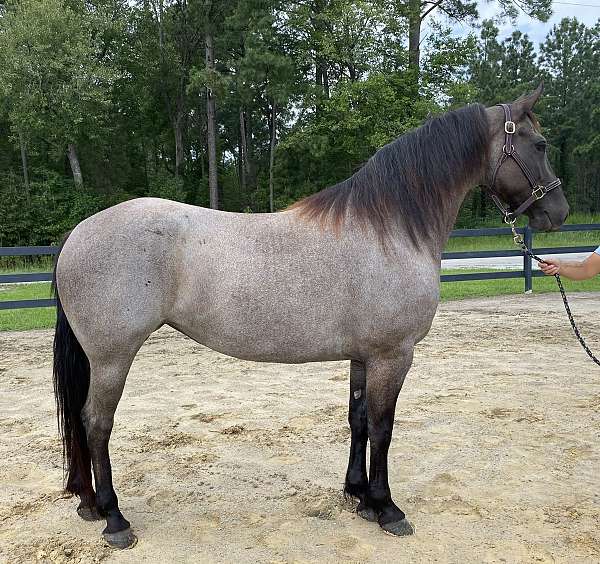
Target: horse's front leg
356, 476
385, 377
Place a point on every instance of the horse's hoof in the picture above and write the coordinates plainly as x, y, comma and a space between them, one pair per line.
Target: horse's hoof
121, 539
398, 528
367, 513
88, 513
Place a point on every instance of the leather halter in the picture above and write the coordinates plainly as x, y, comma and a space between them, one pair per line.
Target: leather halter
538, 191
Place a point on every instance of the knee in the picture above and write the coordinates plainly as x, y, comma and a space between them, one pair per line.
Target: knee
380, 434
99, 426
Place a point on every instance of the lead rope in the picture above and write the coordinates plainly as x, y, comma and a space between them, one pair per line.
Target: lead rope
518, 240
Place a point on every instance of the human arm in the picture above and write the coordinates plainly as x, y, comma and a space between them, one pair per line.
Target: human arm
575, 270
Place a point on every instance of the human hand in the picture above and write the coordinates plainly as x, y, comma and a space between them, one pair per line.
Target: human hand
550, 267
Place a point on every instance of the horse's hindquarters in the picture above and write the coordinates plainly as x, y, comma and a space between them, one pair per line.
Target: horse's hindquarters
115, 279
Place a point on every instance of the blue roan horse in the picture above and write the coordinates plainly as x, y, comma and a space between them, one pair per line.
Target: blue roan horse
351, 272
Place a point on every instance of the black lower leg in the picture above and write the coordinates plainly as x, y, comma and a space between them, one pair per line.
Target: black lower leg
379, 496
356, 475
117, 532
80, 478
385, 380
87, 509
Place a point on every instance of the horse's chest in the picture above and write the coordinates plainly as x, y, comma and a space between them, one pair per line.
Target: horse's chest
402, 305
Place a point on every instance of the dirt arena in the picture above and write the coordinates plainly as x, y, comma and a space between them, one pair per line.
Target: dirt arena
495, 456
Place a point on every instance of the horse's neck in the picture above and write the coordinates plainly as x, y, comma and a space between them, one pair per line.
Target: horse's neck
449, 214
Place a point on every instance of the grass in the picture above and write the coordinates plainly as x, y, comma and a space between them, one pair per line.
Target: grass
21, 265
502, 242
44, 318
25, 319
488, 288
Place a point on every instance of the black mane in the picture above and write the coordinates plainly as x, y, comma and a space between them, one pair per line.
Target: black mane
411, 180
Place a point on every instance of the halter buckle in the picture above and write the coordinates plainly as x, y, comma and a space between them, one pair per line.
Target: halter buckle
539, 192
510, 127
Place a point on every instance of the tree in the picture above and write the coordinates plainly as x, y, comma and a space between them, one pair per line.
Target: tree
210, 111
57, 88
417, 11
571, 64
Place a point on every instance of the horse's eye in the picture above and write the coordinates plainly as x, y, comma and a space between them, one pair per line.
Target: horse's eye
541, 146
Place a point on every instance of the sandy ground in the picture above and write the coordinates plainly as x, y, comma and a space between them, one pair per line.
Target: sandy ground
494, 458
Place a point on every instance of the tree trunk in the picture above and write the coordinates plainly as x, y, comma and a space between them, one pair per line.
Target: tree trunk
414, 36
352, 72
249, 162
272, 153
322, 76
211, 124
242, 156
75, 168
24, 164
178, 132
325, 73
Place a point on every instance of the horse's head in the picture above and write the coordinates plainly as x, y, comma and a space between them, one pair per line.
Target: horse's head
521, 179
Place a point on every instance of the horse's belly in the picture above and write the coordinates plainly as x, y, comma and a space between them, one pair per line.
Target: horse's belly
270, 338
288, 332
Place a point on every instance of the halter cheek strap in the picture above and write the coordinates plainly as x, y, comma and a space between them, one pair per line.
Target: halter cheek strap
538, 191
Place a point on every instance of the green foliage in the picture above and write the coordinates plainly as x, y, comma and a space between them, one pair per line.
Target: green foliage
50, 209
358, 119
165, 185
55, 86
125, 84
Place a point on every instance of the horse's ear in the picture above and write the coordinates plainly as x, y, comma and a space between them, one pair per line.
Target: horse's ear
524, 104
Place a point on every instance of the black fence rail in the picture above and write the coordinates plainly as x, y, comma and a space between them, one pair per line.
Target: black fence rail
28, 277
527, 273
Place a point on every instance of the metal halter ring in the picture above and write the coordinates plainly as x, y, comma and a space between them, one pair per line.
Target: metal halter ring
509, 219
539, 192
510, 127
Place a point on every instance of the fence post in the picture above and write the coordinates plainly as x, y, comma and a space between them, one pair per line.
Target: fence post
528, 237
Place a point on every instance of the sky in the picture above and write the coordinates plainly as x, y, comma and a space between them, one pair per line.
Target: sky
536, 30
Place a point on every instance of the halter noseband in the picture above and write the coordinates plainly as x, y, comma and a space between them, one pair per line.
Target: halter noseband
538, 191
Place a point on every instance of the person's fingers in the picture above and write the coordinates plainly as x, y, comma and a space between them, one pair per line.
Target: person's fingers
549, 269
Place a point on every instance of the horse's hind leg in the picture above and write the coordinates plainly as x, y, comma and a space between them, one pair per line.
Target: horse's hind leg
385, 377
87, 509
107, 378
356, 475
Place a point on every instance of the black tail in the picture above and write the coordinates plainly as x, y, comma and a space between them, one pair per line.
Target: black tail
71, 383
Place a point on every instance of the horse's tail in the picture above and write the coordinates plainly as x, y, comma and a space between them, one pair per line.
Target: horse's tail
71, 375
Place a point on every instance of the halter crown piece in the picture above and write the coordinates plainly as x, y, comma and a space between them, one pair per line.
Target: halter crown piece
538, 191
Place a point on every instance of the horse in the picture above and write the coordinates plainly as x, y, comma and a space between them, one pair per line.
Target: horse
349, 273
